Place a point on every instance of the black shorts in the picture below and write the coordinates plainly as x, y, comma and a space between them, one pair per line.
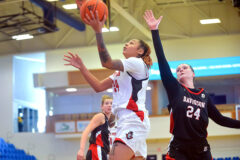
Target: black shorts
189, 150
96, 152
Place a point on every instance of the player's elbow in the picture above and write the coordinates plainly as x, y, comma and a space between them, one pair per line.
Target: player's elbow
98, 89
107, 65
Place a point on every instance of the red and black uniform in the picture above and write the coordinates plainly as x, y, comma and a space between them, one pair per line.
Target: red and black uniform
189, 112
99, 142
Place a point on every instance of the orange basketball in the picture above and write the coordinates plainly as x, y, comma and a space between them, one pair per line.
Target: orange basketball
93, 5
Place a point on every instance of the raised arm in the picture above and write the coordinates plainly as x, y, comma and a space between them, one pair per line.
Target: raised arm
218, 118
105, 58
75, 61
96, 121
169, 82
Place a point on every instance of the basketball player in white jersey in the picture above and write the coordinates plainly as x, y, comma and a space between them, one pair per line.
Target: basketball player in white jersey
129, 83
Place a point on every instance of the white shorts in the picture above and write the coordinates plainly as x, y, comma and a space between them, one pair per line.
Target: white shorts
132, 131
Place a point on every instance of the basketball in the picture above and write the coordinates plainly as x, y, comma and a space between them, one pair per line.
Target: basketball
93, 5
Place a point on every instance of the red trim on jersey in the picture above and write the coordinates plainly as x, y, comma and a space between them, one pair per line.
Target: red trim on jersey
93, 148
119, 140
99, 140
132, 105
192, 91
140, 114
114, 133
171, 122
167, 157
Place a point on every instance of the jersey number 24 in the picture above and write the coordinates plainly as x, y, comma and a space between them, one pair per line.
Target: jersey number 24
191, 113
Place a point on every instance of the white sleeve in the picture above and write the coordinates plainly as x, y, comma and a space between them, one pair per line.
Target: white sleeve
132, 65
111, 76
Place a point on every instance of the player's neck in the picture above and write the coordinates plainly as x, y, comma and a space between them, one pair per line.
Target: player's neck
188, 84
108, 115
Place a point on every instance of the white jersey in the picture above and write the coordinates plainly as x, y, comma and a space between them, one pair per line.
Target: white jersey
112, 135
129, 86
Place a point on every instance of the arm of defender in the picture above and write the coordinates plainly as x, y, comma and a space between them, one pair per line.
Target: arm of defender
218, 118
169, 82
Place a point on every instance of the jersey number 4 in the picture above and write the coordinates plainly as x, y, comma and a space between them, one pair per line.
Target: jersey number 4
191, 112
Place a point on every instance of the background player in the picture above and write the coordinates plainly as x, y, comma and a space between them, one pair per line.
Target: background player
99, 139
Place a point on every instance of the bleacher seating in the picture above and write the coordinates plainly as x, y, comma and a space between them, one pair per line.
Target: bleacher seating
9, 152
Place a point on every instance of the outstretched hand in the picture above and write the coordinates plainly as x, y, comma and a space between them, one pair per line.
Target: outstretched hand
151, 21
94, 21
73, 60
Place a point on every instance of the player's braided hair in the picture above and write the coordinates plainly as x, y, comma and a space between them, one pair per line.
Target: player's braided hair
146, 53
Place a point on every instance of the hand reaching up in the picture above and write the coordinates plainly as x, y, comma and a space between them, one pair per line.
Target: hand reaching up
94, 21
73, 59
151, 21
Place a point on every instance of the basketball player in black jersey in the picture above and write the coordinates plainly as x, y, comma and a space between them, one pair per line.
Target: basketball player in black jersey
189, 107
99, 139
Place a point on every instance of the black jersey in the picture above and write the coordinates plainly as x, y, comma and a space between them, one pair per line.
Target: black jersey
188, 111
189, 108
100, 136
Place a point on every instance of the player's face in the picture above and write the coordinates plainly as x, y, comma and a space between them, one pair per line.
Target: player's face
184, 72
107, 106
131, 48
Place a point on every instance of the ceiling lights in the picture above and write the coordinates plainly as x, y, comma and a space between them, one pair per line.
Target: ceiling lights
70, 6
71, 89
210, 21
22, 37
111, 29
